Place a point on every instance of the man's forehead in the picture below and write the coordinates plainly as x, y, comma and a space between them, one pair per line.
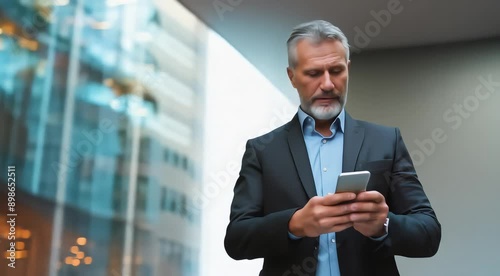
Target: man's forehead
324, 53
324, 61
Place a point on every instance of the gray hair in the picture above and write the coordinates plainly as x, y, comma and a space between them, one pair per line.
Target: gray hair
317, 31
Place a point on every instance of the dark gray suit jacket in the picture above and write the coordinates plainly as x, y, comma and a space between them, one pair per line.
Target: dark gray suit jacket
276, 179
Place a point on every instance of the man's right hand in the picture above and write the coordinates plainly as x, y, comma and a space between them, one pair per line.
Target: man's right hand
322, 215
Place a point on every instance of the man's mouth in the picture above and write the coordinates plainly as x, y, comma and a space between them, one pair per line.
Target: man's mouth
326, 99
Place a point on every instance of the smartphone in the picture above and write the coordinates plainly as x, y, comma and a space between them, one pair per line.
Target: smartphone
353, 182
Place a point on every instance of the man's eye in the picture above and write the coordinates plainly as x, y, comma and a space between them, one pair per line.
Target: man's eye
336, 71
313, 73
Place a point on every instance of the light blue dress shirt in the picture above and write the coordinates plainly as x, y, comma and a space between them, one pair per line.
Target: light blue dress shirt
325, 155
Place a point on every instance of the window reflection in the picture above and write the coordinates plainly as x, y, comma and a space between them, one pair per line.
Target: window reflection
100, 114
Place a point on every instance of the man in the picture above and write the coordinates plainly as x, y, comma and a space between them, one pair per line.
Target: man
284, 208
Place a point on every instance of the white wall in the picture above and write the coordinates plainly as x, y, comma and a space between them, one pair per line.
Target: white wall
415, 89
241, 104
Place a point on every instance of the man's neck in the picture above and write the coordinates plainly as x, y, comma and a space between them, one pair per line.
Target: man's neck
323, 126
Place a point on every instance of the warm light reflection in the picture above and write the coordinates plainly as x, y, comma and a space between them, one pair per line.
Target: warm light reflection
31, 45
108, 82
8, 28
87, 260
18, 254
74, 249
21, 234
75, 262
80, 255
19, 245
68, 260
21, 254
81, 241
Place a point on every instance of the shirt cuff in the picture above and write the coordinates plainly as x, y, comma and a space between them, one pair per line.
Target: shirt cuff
379, 238
293, 237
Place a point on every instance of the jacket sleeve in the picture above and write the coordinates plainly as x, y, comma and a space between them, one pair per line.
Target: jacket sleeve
414, 230
251, 234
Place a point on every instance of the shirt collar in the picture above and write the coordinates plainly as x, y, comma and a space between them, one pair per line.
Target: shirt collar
306, 121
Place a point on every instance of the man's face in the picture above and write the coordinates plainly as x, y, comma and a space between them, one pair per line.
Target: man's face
321, 77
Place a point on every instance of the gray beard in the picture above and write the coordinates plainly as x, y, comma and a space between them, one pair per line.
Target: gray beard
326, 113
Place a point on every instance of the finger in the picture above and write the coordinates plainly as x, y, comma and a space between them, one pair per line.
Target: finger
373, 196
320, 212
332, 224
365, 206
335, 210
334, 199
364, 217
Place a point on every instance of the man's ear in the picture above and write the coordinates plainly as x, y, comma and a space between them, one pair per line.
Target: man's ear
291, 76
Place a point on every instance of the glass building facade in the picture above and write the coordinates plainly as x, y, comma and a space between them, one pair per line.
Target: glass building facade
101, 110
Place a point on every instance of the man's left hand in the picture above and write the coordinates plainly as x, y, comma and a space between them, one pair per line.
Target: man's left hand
369, 213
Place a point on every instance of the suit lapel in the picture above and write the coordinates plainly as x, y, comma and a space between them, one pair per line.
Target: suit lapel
300, 158
353, 138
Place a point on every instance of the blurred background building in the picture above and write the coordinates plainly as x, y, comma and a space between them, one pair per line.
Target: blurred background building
101, 114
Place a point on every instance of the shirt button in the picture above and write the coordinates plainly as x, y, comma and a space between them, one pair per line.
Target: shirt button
324, 169
333, 240
324, 141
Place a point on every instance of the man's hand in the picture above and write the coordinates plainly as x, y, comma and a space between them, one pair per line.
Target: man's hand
368, 213
320, 215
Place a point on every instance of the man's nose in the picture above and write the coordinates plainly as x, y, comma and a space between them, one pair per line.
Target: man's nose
326, 82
